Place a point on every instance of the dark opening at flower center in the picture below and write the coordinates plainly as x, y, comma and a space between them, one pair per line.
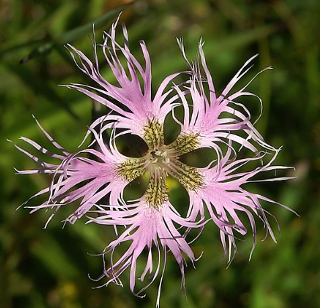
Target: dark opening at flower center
162, 160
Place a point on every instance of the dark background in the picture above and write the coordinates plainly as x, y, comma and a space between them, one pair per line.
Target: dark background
48, 268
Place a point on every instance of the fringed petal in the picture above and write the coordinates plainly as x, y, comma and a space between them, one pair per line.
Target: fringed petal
75, 177
148, 228
134, 106
224, 197
218, 119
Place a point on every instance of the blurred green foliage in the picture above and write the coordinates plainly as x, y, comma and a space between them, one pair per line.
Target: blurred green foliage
47, 268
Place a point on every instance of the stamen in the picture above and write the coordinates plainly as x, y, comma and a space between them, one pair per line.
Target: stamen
159, 157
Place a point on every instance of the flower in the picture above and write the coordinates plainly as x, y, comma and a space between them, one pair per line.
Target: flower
98, 175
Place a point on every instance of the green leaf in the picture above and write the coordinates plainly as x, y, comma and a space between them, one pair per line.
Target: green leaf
39, 86
47, 45
99, 22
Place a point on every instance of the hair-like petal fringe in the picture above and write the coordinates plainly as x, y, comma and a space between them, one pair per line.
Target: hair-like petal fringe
77, 177
224, 197
149, 229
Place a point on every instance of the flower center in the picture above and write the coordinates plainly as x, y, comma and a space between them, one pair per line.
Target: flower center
159, 158
161, 161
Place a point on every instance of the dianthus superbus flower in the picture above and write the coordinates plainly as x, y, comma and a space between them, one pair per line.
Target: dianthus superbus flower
96, 176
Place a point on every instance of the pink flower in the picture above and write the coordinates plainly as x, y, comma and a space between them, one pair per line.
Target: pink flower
98, 176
